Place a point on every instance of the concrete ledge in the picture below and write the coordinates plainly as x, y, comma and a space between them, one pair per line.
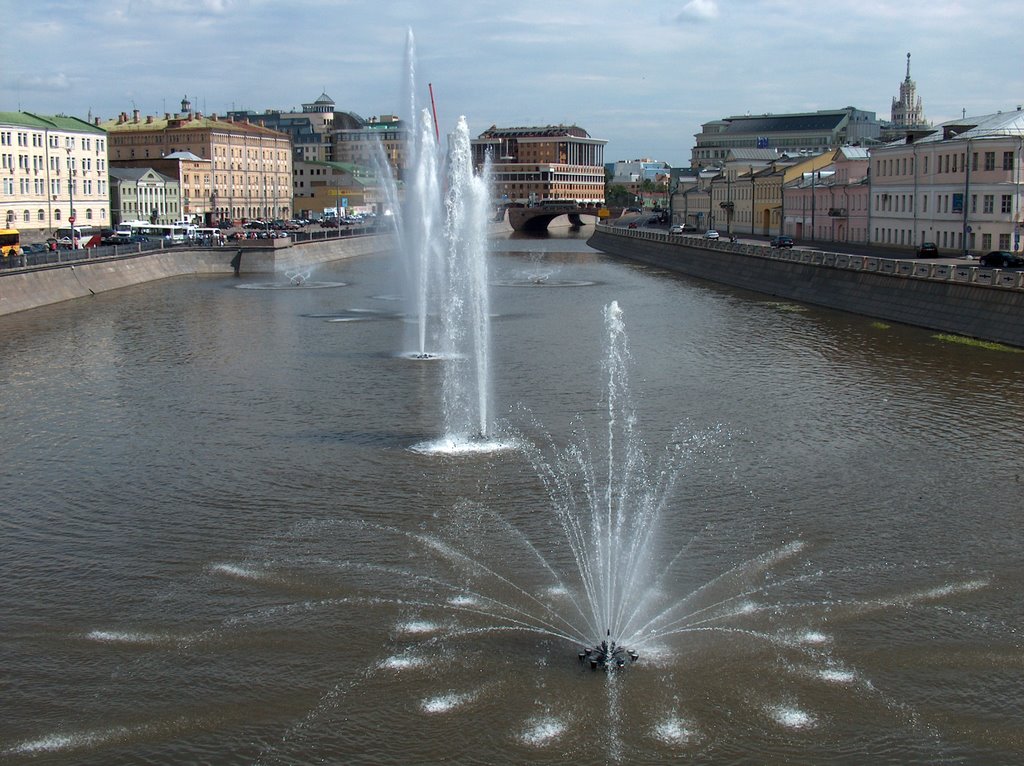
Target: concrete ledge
21, 290
966, 300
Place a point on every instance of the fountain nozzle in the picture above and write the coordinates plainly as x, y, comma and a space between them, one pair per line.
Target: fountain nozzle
607, 655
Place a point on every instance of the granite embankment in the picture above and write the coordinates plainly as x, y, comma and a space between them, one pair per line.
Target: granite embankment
23, 289
949, 297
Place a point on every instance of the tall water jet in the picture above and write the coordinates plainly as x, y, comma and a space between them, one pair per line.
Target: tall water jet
466, 306
419, 236
444, 247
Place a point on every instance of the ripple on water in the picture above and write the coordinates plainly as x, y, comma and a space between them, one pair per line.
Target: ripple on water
417, 627
543, 731
673, 731
791, 717
445, 703
402, 662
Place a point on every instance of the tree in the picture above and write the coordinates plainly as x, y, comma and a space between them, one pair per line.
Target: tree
618, 195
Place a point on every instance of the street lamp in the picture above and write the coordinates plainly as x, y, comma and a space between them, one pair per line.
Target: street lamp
71, 194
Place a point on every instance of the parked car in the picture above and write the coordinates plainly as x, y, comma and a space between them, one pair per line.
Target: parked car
782, 241
711, 234
34, 248
1001, 259
928, 250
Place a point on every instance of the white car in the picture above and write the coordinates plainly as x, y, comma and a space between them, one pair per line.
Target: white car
677, 228
711, 234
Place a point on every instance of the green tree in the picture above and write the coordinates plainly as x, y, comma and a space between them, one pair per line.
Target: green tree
618, 195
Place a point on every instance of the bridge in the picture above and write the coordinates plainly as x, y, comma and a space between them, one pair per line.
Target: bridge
536, 219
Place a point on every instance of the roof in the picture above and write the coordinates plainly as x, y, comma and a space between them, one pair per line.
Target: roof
134, 174
48, 122
998, 125
547, 131
776, 123
749, 153
853, 152
186, 123
184, 156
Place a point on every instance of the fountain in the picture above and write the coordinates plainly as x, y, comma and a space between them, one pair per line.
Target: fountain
443, 245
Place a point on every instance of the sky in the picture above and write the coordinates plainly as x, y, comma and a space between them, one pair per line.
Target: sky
643, 76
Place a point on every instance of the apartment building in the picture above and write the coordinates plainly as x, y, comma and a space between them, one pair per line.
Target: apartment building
532, 164
52, 168
957, 185
250, 173
828, 200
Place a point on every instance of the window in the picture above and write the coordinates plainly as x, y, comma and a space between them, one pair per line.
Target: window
988, 203
990, 160
1007, 160
1006, 204
1004, 241
986, 241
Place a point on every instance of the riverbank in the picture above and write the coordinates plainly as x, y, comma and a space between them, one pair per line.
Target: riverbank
24, 289
950, 297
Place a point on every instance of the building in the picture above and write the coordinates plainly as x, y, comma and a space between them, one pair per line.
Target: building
193, 175
363, 142
338, 186
808, 133
309, 129
532, 164
52, 167
907, 108
957, 185
250, 166
143, 194
828, 201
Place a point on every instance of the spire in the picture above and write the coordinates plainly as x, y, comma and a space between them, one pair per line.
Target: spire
908, 67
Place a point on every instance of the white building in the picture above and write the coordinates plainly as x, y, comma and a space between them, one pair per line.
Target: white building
143, 194
46, 163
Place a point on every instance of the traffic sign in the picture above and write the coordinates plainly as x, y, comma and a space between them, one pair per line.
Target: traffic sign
71, 220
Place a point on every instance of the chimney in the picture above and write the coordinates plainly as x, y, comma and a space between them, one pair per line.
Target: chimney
135, 115
149, 119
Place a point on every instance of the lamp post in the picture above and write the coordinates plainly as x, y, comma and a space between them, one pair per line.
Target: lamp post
71, 194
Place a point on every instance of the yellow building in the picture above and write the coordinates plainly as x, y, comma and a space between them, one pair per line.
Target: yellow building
250, 167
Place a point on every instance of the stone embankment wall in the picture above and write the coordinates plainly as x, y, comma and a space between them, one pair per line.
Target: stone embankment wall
23, 289
956, 298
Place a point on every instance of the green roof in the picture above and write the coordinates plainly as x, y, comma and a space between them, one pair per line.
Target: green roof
48, 122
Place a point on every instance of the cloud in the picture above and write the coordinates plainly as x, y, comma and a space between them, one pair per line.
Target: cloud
699, 10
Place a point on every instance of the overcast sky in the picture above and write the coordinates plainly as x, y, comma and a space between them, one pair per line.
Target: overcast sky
641, 75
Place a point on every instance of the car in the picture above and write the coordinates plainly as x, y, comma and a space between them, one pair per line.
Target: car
34, 248
711, 234
781, 241
677, 228
1001, 259
928, 250
632, 225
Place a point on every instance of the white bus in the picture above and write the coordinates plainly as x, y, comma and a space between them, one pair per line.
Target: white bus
171, 233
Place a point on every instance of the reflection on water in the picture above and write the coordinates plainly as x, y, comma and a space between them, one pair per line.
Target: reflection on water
220, 547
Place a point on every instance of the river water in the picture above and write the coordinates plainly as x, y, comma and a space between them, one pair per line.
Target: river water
213, 526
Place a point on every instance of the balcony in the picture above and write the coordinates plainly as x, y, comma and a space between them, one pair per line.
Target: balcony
837, 212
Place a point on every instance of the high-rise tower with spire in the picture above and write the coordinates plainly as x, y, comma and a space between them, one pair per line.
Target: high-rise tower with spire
908, 109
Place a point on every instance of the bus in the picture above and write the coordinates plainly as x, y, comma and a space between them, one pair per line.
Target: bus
170, 233
10, 242
208, 236
85, 236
